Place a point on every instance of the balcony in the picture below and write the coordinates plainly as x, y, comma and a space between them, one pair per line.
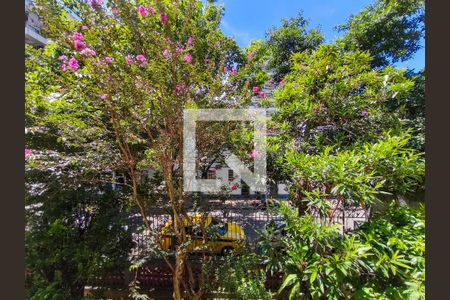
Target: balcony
32, 30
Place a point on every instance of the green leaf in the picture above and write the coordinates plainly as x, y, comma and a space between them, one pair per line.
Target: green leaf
288, 281
313, 276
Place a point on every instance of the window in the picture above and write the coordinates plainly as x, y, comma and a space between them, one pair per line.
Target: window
230, 175
218, 227
118, 180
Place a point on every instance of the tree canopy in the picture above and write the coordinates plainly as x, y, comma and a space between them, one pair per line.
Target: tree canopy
291, 37
391, 30
106, 96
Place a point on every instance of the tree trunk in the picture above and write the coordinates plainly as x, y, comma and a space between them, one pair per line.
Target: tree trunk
180, 253
178, 277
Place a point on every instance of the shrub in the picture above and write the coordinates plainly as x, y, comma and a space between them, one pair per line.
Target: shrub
239, 275
382, 259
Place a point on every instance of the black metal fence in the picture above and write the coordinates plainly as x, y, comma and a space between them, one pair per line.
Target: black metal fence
250, 215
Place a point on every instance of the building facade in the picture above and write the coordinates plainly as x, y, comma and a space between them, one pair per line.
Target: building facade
33, 28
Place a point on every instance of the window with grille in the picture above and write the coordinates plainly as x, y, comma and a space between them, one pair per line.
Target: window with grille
230, 175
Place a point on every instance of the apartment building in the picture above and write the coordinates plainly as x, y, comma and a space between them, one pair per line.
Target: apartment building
33, 28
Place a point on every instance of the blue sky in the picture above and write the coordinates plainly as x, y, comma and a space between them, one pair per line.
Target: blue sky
247, 20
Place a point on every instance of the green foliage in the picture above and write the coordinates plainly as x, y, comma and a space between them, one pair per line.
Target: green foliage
314, 258
257, 56
338, 134
391, 30
384, 259
38, 288
339, 138
291, 37
237, 275
107, 95
411, 109
395, 267
357, 176
75, 225
333, 97
73, 236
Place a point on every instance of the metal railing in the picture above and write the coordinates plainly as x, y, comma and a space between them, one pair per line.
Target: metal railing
249, 215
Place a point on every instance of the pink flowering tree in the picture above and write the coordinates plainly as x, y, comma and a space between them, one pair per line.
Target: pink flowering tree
135, 66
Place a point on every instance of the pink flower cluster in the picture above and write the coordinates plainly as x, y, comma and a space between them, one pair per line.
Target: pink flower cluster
72, 63
28, 152
255, 89
78, 41
181, 87
142, 60
108, 60
163, 19
189, 42
143, 11
80, 45
167, 54
95, 3
187, 58
128, 59
233, 71
262, 94
87, 52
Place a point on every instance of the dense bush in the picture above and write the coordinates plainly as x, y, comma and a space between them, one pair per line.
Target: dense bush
383, 259
395, 265
73, 236
237, 275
